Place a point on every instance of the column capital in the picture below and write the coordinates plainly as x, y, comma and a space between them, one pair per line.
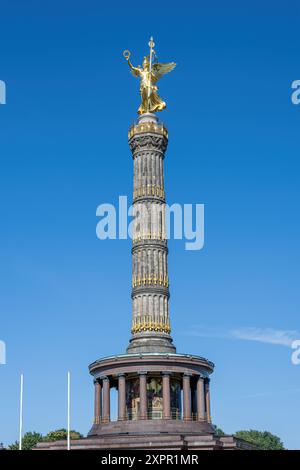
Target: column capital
122, 374
166, 373
104, 378
187, 375
142, 372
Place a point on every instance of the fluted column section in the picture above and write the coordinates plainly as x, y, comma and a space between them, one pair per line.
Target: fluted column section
106, 400
187, 397
97, 403
150, 282
166, 396
207, 401
143, 396
121, 397
200, 399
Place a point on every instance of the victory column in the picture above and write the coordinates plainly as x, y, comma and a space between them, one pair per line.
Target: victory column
163, 396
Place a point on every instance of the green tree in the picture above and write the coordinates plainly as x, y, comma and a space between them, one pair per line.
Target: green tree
262, 439
219, 431
61, 434
29, 440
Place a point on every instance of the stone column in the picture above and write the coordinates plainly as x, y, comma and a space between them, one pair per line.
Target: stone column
106, 400
200, 399
143, 395
150, 327
121, 397
207, 400
166, 395
97, 413
186, 397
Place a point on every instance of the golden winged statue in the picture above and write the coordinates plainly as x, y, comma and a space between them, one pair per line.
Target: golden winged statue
149, 74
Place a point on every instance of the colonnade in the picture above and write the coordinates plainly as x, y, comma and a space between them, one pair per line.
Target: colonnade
200, 401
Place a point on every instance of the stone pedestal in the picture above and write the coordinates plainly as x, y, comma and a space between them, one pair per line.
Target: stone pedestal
177, 431
149, 379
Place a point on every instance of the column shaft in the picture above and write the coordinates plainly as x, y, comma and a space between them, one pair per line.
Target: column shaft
121, 397
97, 413
166, 396
200, 399
186, 398
106, 400
148, 142
207, 401
143, 396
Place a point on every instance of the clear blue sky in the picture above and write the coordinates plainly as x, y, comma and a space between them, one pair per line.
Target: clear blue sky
234, 146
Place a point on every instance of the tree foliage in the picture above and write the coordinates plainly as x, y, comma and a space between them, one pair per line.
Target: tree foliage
219, 431
61, 434
29, 440
261, 439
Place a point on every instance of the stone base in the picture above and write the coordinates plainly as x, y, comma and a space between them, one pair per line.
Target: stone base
174, 441
148, 343
151, 427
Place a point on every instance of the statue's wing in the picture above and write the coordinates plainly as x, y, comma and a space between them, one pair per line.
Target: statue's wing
161, 69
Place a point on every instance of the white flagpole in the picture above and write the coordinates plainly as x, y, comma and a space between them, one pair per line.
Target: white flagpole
68, 437
21, 412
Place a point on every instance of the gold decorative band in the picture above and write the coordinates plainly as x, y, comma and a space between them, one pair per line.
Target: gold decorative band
150, 280
149, 190
147, 127
149, 236
145, 323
